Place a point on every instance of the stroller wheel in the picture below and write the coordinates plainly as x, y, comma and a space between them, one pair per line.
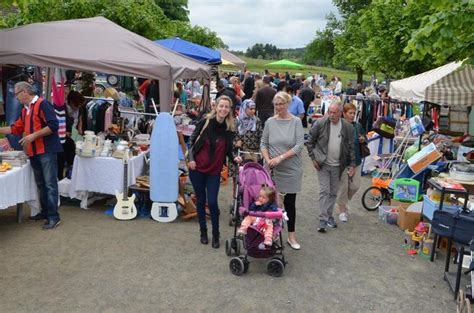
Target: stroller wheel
372, 198
228, 250
275, 267
238, 246
246, 264
236, 266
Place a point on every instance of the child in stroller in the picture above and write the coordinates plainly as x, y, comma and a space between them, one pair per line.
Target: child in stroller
265, 203
251, 178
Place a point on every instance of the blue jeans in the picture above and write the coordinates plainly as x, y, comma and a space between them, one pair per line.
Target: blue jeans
45, 170
203, 183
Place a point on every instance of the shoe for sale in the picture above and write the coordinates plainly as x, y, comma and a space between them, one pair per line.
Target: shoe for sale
322, 228
331, 223
343, 217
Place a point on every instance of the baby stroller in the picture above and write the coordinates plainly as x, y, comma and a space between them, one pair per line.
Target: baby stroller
251, 178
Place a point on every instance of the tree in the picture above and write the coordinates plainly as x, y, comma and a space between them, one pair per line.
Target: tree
349, 7
349, 47
267, 51
143, 17
388, 25
447, 34
321, 50
176, 10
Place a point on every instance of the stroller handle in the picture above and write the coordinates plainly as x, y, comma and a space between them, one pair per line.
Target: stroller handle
271, 215
239, 152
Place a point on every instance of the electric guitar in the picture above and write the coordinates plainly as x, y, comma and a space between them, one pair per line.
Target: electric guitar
125, 208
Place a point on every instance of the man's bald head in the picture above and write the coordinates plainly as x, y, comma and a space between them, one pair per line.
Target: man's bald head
334, 111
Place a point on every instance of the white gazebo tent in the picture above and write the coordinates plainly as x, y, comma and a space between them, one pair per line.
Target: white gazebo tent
450, 85
97, 44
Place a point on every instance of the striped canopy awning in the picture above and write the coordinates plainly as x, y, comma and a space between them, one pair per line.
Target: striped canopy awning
451, 84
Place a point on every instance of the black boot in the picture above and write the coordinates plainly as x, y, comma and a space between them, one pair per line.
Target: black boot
204, 238
215, 241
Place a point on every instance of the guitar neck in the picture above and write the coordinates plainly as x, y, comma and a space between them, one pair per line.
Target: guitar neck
125, 179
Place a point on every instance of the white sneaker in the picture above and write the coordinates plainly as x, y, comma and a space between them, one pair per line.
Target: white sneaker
343, 217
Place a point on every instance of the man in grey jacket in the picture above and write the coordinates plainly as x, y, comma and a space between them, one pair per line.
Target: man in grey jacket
331, 147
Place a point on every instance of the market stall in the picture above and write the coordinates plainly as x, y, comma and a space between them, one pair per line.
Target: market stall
104, 175
450, 86
197, 52
427, 189
97, 44
231, 59
18, 187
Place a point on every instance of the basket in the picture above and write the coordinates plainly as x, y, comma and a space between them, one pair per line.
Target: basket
380, 182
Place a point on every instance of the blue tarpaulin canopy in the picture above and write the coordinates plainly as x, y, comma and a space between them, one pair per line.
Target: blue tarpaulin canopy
203, 54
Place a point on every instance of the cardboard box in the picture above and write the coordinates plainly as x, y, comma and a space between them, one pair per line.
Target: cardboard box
420, 160
407, 220
397, 203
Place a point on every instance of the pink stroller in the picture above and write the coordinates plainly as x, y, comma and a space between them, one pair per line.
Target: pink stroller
251, 178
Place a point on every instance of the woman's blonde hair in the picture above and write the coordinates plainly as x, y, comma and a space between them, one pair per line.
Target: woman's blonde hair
229, 119
283, 96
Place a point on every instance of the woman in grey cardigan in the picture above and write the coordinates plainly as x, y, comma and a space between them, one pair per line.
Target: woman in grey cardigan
282, 142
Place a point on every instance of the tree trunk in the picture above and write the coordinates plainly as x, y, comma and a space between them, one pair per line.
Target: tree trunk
360, 75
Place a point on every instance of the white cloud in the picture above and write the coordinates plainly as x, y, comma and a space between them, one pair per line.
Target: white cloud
243, 23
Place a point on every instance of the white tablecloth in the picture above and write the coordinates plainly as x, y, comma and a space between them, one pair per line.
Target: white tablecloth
18, 186
103, 175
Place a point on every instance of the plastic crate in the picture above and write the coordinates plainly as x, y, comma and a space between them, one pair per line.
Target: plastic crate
388, 214
429, 206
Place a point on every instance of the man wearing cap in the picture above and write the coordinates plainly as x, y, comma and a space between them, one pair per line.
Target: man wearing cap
39, 126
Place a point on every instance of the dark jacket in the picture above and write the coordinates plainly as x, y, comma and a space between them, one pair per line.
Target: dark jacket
317, 143
269, 207
229, 92
196, 145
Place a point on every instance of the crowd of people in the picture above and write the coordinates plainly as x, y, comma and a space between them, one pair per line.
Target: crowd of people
271, 120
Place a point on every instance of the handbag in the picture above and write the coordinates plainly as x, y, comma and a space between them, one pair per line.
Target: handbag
197, 139
364, 150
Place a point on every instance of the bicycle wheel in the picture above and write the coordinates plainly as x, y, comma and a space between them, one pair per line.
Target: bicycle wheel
372, 198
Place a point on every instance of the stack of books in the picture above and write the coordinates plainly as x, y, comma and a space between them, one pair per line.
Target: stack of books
15, 158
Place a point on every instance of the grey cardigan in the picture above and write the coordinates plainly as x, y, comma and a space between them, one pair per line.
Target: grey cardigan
317, 143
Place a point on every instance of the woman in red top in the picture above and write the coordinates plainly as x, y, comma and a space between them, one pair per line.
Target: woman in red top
211, 143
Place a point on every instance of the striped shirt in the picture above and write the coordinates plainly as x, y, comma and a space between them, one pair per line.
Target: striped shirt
37, 116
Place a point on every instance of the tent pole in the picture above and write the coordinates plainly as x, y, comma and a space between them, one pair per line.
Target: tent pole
49, 79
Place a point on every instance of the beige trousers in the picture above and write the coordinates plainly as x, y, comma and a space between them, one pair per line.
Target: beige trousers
347, 189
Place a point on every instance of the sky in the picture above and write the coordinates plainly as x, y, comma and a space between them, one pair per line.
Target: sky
243, 23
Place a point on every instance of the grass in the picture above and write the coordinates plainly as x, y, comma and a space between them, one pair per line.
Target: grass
258, 65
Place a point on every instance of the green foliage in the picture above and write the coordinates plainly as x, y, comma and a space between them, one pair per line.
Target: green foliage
176, 10
265, 51
320, 51
144, 17
349, 7
199, 35
447, 33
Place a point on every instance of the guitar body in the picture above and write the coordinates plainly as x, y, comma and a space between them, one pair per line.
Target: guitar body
125, 209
